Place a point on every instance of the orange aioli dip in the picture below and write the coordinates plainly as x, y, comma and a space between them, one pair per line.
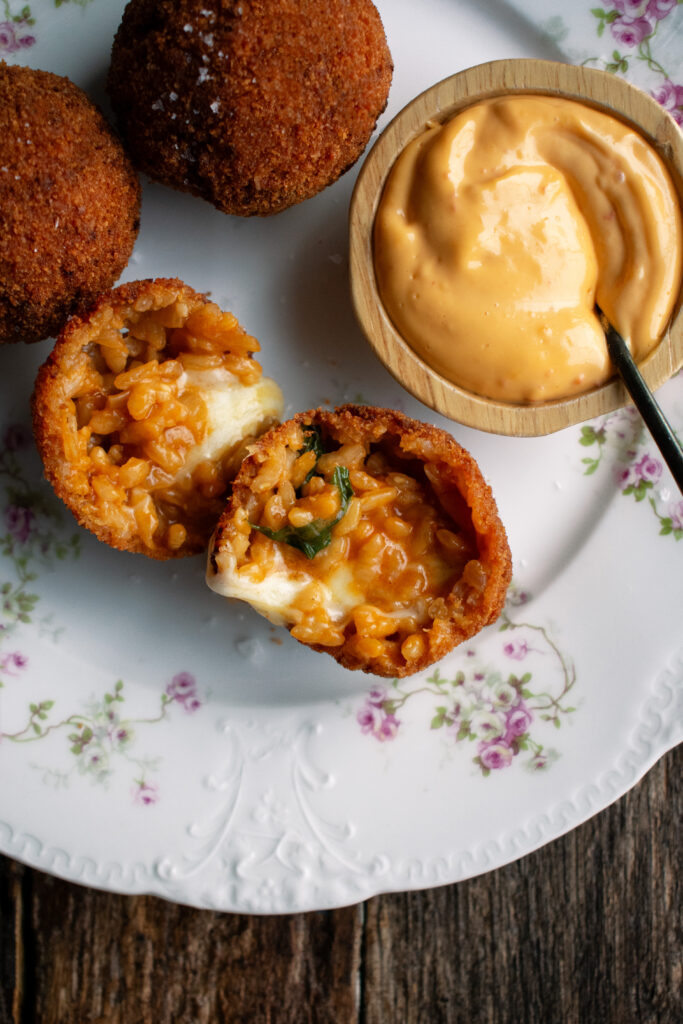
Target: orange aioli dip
498, 232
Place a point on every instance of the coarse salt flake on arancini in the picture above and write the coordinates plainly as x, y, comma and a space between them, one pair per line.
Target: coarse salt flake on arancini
69, 203
253, 105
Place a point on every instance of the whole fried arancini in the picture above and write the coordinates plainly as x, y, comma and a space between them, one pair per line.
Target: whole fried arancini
368, 534
69, 203
142, 414
253, 105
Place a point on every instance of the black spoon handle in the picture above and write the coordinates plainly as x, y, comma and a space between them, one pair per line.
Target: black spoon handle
644, 400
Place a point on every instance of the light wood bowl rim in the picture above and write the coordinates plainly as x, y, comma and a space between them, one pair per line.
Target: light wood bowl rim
441, 101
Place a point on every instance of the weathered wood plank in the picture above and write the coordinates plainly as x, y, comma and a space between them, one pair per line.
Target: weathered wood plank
122, 960
587, 929
11, 942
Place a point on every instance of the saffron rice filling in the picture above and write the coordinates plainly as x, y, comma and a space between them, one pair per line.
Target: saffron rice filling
143, 414
349, 528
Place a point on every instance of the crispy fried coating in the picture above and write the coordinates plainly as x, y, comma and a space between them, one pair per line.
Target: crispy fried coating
142, 414
69, 203
253, 105
427, 555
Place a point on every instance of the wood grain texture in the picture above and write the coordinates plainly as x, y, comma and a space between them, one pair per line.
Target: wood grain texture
588, 929
609, 93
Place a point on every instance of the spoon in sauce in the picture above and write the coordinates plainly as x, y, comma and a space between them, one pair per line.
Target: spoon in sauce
644, 400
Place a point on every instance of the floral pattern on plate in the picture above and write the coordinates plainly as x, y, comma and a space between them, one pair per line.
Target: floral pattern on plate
483, 704
17, 30
633, 25
637, 466
31, 539
101, 735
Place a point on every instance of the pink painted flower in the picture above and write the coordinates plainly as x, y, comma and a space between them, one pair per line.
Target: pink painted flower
145, 793
670, 96
630, 8
658, 9
630, 31
494, 755
676, 516
517, 721
388, 728
19, 521
377, 696
12, 663
648, 469
624, 477
183, 690
374, 721
516, 649
13, 37
8, 37
366, 718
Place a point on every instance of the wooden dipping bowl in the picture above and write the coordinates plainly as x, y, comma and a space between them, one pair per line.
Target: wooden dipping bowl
597, 89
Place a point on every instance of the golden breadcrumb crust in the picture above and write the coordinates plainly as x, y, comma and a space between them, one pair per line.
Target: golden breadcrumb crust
253, 105
69, 203
463, 493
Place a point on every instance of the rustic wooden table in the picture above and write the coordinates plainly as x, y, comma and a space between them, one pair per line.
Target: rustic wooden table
588, 929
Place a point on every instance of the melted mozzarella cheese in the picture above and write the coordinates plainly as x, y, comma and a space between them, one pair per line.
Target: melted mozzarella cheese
274, 596
233, 411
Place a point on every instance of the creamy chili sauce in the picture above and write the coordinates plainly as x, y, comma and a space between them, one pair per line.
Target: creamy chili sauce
499, 231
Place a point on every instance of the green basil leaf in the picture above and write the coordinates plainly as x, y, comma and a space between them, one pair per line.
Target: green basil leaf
315, 536
312, 443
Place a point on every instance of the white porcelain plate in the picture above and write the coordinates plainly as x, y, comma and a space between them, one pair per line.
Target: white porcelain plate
154, 738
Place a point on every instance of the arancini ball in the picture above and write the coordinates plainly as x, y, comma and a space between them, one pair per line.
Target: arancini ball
369, 535
69, 203
143, 412
253, 105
